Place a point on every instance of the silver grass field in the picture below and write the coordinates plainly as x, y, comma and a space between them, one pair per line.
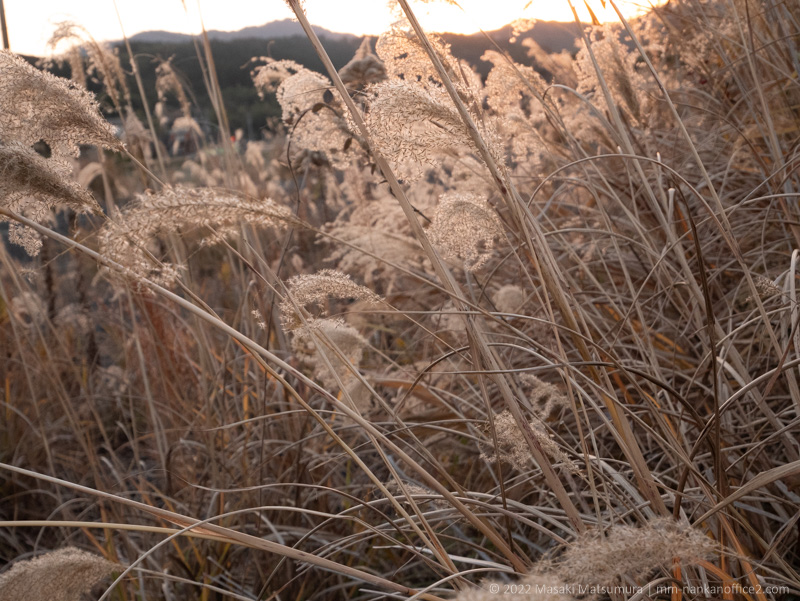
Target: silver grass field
529, 336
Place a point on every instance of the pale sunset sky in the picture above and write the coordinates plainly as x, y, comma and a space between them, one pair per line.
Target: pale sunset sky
30, 22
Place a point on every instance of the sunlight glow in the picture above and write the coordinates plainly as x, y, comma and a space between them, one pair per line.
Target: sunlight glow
488, 15
31, 23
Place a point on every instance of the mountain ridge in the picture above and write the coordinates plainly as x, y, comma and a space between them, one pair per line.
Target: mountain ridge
283, 28
553, 36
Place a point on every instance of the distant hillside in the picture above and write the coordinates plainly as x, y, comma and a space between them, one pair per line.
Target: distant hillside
552, 36
284, 40
276, 29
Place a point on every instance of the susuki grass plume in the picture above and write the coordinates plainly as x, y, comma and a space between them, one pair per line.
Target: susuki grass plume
509, 298
512, 448
63, 575
27, 174
168, 82
217, 214
35, 107
103, 62
33, 185
40, 106
364, 68
464, 227
342, 346
601, 559
310, 113
318, 289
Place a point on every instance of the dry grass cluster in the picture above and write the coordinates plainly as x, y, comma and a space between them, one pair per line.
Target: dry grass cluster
534, 333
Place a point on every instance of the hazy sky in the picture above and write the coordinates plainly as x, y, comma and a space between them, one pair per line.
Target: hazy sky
30, 22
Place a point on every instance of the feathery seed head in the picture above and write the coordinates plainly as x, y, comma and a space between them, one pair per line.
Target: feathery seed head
103, 61
63, 575
27, 173
387, 245
125, 239
414, 125
411, 116
601, 559
269, 76
317, 289
363, 69
514, 450
462, 224
35, 105
301, 92
167, 81
28, 308
405, 57
254, 155
518, 113
766, 288
505, 89
137, 136
33, 185
626, 85
308, 109
544, 396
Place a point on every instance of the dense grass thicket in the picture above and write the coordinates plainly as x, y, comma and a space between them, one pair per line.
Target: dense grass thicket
532, 333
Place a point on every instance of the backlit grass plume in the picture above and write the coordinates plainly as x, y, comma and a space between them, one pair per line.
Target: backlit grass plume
464, 227
26, 174
405, 56
599, 558
309, 109
35, 105
513, 449
216, 213
32, 185
626, 85
596, 561
377, 228
167, 82
415, 125
363, 69
103, 62
63, 575
412, 119
317, 289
